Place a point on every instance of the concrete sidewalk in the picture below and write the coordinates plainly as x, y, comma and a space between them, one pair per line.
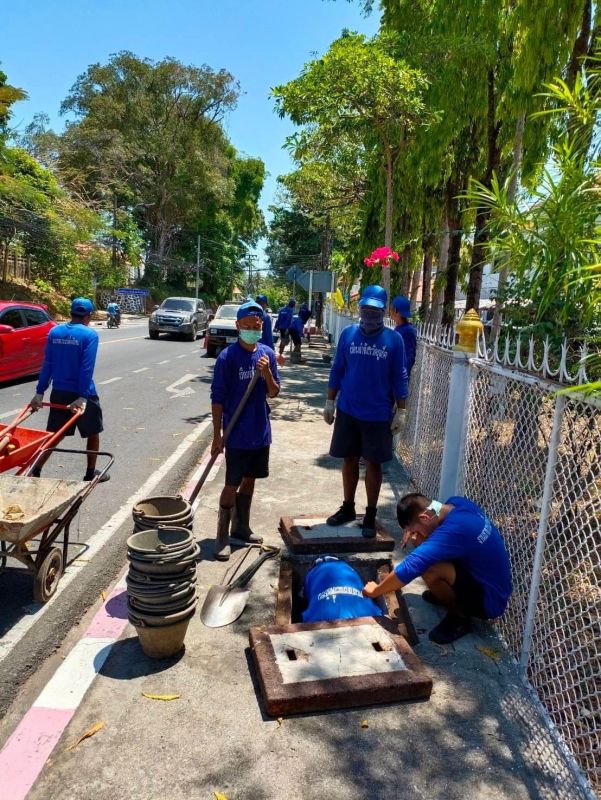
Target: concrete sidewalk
477, 738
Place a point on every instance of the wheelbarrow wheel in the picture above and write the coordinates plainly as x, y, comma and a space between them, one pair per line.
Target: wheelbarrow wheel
48, 575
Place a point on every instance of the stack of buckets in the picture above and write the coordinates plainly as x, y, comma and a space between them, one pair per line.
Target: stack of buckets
161, 582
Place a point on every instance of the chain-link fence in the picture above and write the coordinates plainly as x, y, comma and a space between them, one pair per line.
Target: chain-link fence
532, 458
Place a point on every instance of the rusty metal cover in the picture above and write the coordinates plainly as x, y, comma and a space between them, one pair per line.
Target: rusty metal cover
326, 665
309, 533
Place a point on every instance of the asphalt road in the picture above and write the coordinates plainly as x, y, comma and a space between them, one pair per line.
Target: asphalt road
153, 395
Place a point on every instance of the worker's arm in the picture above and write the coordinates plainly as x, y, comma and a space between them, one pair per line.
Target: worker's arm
390, 584
217, 413
264, 366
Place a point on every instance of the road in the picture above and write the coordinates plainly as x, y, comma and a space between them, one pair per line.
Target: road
154, 394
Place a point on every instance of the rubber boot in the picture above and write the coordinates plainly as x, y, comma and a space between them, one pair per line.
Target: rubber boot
222, 540
242, 534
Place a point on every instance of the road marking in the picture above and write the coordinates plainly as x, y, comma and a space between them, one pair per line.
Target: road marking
142, 369
117, 341
12, 413
172, 388
166, 361
99, 539
110, 380
183, 355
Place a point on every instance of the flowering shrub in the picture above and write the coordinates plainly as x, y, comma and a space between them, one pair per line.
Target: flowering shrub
381, 257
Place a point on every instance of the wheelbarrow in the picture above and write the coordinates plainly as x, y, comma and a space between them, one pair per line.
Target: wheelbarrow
34, 512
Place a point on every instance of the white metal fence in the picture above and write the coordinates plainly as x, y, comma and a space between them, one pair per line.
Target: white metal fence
532, 458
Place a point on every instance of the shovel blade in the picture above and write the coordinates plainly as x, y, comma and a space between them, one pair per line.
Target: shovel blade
223, 605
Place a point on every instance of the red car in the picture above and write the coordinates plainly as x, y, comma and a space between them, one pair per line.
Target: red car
24, 329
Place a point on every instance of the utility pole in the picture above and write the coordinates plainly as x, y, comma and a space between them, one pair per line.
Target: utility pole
197, 264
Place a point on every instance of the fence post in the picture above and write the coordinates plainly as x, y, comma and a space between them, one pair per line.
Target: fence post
541, 534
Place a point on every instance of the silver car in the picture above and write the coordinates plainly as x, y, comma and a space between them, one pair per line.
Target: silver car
184, 316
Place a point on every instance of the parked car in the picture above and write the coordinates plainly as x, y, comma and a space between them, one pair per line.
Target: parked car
24, 328
222, 328
181, 315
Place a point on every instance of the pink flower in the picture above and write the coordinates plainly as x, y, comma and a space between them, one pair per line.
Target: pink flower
382, 257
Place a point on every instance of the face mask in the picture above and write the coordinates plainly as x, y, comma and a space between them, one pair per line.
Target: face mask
250, 337
435, 506
371, 320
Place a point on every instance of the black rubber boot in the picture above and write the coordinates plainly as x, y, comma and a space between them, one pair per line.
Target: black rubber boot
346, 513
368, 526
451, 628
222, 540
241, 534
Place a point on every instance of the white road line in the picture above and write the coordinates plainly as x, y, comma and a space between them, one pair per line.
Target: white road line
12, 413
99, 539
183, 355
110, 380
116, 341
166, 361
142, 369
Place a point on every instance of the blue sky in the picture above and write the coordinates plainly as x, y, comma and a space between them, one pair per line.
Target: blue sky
47, 43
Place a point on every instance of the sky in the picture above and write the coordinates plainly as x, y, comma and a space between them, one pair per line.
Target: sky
46, 44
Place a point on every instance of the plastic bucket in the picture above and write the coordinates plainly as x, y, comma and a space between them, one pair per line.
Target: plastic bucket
149, 620
167, 605
162, 509
187, 573
163, 540
163, 642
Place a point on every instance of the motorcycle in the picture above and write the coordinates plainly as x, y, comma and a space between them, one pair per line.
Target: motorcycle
113, 321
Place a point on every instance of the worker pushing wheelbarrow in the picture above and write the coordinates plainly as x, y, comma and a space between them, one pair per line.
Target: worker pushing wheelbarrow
35, 511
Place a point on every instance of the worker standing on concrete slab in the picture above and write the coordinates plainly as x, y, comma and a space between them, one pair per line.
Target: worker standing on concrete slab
461, 556
401, 314
247, 449
367, 376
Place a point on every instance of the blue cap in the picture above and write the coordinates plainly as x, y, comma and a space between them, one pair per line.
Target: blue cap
250, 309
261, 299
373, 296
81, 307
292, 302
402, 305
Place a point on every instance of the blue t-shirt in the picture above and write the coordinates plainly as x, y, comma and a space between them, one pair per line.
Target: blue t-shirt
267, 337
298, 325
333, 590
69, 360
284, 320
468, 536
304, 313
112, 308
409, 336
234, 369
370, 373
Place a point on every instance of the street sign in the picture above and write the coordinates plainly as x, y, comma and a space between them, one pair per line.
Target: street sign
139, 292
322, 281
293, 273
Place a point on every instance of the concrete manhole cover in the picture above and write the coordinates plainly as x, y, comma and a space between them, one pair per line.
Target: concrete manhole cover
311, 534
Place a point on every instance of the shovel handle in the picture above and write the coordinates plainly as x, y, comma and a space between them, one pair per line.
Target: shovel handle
226, 433
248, 573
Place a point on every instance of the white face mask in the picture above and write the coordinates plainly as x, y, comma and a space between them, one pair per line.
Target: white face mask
435, 506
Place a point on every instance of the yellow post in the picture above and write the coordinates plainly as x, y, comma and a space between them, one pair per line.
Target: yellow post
467, 329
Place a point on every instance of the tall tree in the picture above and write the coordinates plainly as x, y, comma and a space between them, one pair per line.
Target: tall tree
359, 92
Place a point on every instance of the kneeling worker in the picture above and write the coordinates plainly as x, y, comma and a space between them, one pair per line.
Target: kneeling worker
247, 447
460, 555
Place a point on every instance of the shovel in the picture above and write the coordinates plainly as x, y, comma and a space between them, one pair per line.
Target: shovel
224, 604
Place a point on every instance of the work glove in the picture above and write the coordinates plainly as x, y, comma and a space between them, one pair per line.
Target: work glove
77, 405
328, 412
398, 421
36, 403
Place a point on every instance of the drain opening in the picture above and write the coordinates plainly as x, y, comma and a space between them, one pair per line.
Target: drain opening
377, 647
291, 655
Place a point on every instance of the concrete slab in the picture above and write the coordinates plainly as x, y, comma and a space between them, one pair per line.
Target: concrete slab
325, 665
305, 533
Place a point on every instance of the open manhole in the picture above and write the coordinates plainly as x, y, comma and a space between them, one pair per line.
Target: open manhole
306, 667
310, 534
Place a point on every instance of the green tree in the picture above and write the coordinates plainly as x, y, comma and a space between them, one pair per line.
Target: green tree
359, 93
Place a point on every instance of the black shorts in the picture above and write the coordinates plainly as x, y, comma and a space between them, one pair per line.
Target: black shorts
291, 333
90, 422
469, 593
241, 463
357, 438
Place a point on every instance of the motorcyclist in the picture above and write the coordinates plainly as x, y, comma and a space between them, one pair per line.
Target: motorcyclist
113, 310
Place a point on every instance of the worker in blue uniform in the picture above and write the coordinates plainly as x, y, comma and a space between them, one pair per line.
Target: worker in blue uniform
401, 314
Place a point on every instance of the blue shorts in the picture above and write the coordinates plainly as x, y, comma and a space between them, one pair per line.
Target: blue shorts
356, 438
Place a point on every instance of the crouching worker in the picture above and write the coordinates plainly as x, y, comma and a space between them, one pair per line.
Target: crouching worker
247, 446
460, 555
333, 590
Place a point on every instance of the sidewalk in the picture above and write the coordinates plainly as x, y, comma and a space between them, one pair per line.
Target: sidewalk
477, 738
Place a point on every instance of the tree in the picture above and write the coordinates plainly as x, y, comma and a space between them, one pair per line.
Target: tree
8, 96
360, 93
